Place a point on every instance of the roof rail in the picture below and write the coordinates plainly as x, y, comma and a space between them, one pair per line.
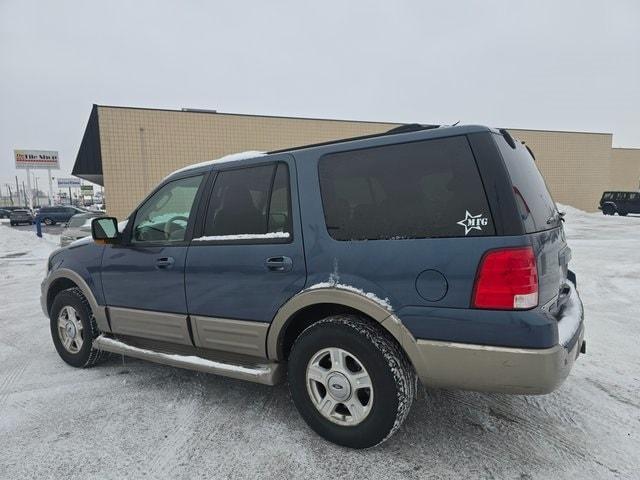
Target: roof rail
405, 128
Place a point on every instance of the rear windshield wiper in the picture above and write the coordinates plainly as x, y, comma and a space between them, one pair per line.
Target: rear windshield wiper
556, 217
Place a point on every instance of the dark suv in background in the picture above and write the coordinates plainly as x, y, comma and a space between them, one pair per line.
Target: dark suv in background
57, 214
18, 216
358, 266
621, 203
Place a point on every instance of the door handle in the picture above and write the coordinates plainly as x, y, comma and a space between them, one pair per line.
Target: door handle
165, 262
278, 264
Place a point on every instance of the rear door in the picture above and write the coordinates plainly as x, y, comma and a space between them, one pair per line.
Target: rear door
246, 258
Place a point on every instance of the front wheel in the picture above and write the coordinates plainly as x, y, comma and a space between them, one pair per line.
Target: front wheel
73, 328
350, 381
48, 221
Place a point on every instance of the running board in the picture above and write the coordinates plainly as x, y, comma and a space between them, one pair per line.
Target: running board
267, 373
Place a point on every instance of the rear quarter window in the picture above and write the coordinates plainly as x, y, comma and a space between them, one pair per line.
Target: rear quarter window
536, 206
413, 190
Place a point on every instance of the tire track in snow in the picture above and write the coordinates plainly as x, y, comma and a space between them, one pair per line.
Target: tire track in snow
163, 458
14, 373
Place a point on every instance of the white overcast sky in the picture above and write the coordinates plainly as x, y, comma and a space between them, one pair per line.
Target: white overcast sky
566, 65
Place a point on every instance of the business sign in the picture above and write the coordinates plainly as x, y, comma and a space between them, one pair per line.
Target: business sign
86, 189
36, 159
68, 183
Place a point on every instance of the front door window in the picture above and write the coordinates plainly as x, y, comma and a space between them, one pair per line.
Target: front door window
164, 216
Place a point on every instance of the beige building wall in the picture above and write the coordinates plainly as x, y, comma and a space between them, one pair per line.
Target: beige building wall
625, 169
140, 147
576, 166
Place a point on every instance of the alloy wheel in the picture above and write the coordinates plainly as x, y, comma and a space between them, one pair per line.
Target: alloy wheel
70, 329
339, 386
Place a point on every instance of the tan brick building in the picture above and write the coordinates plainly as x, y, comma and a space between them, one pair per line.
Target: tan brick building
129, 150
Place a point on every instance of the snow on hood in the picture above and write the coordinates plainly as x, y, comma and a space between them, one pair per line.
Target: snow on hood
234, 157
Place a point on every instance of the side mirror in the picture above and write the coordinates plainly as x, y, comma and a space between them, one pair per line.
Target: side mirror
105, 229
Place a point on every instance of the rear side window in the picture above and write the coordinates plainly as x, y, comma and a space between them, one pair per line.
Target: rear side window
412, 190
250, 201
535, 204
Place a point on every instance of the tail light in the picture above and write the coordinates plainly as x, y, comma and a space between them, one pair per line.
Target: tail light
507, 279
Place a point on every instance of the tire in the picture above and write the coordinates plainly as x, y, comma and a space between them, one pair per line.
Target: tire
367, 351
608, 210
86, 355
48, 222
622, 213
13, 224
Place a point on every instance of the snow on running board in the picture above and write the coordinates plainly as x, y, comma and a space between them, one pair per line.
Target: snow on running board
111, 344
242, 236
384, 303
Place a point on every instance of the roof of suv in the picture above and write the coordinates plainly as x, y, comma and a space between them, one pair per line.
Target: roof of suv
404, 133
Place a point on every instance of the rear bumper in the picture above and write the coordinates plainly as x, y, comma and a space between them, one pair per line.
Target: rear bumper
490, 368
495, 369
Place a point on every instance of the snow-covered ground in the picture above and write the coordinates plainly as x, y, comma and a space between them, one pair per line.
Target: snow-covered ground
131, 419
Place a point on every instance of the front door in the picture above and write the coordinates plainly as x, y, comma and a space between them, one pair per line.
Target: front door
143, 277
246, 259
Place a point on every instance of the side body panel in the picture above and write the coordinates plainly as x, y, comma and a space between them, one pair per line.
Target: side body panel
389, 269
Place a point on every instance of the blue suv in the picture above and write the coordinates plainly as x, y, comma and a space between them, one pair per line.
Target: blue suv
356, 267
57, 214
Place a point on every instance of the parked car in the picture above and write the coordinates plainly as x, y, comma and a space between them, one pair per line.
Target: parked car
57, 214
621, 203
4, 213
21, 216
11, 208
358, 266
79, 226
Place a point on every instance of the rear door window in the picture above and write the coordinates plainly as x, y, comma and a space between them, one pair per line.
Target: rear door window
250, 202
412, 190
537, 208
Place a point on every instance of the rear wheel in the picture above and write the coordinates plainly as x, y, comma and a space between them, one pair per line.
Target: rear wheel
73, 328
622, 213
48, 221
350, 381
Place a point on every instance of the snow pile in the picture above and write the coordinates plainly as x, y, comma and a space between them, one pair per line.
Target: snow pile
234, 157
16, 243
243, 236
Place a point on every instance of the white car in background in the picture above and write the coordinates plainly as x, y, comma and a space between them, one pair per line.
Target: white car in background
78, 226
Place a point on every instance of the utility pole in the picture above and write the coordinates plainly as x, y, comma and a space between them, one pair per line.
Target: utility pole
10, 193
37, 195
24, 193
30, 200
17, 189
